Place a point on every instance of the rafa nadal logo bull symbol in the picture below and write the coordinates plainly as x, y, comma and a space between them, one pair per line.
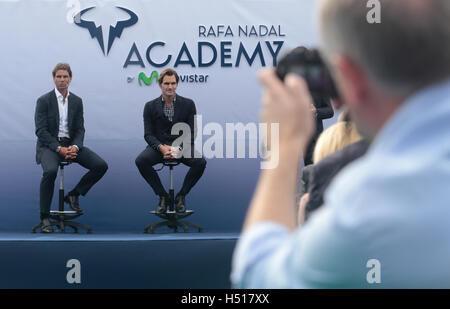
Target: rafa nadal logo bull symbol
114, 32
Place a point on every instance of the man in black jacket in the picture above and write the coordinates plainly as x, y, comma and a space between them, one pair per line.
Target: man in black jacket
160, 115
60, 131
317, 177
321, 109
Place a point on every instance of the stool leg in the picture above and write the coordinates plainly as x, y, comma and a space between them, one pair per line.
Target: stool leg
154, 226
61, 188
171, 191
61, 224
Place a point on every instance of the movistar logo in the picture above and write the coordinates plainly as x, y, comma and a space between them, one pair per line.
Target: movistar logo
148, 80
114, 32
154, 76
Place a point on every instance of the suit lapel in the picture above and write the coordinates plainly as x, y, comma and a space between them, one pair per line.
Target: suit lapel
160, 107
54, 106
177, 107
70, 110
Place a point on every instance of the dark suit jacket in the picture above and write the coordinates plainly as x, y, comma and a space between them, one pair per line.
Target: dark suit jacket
318, 176
305, 179
46, 120
324, 111
157, 127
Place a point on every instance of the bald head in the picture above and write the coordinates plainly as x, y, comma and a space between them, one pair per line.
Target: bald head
408, 50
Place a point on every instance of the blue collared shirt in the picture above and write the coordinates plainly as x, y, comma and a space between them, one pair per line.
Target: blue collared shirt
391, 206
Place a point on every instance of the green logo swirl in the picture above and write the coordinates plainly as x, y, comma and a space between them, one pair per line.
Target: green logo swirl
148, 80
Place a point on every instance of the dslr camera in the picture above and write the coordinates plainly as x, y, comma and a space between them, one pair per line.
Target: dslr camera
309, 65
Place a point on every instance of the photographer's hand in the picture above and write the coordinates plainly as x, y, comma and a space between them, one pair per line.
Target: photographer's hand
289, 105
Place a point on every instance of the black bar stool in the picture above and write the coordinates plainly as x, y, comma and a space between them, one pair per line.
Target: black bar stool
63, 217
171, 217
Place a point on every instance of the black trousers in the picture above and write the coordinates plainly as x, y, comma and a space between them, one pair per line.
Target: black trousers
150, 157
50, 163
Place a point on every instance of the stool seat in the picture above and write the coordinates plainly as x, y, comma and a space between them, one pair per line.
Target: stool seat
171, 162
65, 163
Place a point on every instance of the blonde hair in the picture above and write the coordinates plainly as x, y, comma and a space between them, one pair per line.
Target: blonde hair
335, 138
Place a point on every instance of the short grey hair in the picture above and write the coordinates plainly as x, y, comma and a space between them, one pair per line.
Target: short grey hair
408, 50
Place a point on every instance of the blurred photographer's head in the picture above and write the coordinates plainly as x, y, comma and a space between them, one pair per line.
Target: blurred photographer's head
377, 66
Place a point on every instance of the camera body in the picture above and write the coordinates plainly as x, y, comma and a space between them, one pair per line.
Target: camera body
309, 65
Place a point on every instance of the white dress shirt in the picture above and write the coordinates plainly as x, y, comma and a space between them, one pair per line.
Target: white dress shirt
63, 114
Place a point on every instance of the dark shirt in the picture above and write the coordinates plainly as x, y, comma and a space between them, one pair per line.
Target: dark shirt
317, 177
169, 111
324, 111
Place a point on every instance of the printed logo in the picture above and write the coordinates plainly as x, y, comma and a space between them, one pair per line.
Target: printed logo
114, 32
148, 80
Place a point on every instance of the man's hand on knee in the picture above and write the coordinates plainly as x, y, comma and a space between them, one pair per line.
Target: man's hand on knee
166, 151
175, 152
71, 153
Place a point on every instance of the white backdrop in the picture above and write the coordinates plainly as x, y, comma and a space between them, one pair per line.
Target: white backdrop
37, 34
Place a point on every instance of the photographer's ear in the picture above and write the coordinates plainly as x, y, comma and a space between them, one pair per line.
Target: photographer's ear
352, 81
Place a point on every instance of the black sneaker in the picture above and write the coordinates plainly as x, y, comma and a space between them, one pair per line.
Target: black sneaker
72, 200
180, 203
162, 206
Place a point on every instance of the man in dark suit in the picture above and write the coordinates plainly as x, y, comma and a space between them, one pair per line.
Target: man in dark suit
60, 131
160, 115
321, 109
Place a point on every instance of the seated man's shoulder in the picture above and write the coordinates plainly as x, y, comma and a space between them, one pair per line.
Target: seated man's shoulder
184, 99
153, 102
46, 96
75, 97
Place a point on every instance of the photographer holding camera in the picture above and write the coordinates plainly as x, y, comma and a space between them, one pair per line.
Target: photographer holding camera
390, 206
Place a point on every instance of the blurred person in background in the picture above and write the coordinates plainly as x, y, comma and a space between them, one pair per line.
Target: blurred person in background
336, 147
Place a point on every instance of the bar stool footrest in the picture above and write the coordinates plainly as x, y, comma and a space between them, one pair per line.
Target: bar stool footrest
172, 221
62, 221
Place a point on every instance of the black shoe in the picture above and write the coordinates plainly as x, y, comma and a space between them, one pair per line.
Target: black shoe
162, 206
46, 226
180, 203
72, 200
